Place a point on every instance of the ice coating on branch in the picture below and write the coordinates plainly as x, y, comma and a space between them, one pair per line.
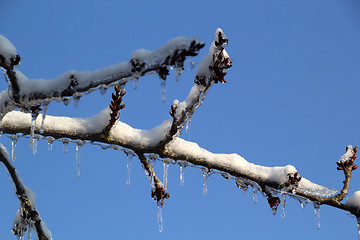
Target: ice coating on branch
7, 49
4, 151
354, 200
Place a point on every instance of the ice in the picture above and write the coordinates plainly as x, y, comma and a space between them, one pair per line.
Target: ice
65, 142
14, 138
32, 128
303, 202
103, 89
255, 198
35, 143
45, 107
348, 154
283, 201
163, 90
50, 141
136, 83
66, 100
206, 176
188, 122
159, 215
130, 154
317, 214
79, 145
192, 64
166, 168
182, 172
241, 184
76, 98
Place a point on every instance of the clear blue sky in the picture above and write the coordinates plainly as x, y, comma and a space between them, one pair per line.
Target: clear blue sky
292, 97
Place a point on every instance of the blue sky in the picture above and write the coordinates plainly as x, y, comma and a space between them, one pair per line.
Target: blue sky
291, 98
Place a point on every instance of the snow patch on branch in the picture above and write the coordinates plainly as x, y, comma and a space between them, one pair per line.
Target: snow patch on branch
7, 49
354, 200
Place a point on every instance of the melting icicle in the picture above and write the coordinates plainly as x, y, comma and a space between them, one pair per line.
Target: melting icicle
103, 89
165, 176
160, 218
50, 141
274, 210
317, 214
188, 122
241, 184
130, 155
201, 98
79, 145
206, 176
283, 201
76, 100
65, 142
303, 202
182, 172
136, 83
66, 100
191, 65
255, 198
45, 107
14, 138
35, 143
32, 129
163, 90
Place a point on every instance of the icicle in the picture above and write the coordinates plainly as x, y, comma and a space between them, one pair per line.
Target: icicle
255, 198
103, 89
32, 128
201, 98
152, 167
317, 214
66, 100
50, 141
79, 145
274, 210
76, 100
136, 83
160, 218
191, 65
241, 184
45, 107
206, 176
65, 142
165, 176
35, 143
182, 172
303, 202
163, 90
188, 122
283, 201
130, 155
358, 224
14, 138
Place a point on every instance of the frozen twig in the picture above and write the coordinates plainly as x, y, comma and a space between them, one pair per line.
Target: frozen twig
27, 210
115, 106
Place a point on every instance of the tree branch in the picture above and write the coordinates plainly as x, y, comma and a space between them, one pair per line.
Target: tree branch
27, 216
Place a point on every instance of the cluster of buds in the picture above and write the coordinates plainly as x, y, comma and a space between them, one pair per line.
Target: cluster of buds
347, 160
137, 65
294, 179
159, 194
273, 201
14, 61
27, 215
116, 103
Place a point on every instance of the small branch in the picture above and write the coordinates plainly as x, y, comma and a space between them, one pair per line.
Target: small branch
28, 211
158, 193
11, 76
116, 105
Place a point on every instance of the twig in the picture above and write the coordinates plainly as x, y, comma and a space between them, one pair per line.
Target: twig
116, 105
28, 211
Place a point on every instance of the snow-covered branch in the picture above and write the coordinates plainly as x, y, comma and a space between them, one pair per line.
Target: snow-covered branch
27, 216
163, 140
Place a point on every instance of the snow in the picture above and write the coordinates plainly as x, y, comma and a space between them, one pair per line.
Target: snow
4, 151
7, 49
349, 153
354, 200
